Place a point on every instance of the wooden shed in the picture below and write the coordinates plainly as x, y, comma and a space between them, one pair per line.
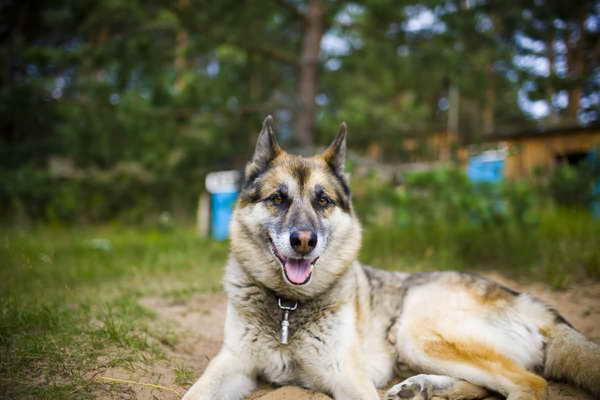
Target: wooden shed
526, 151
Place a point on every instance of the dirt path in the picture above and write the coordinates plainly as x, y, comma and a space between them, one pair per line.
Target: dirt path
199, 324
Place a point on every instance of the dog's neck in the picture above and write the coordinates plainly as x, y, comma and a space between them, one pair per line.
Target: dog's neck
259, 305
243, 288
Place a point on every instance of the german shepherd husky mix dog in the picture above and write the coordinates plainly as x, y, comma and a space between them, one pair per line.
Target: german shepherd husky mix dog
302, 310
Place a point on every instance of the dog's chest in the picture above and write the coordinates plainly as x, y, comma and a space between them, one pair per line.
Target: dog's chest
316, 338
277, 365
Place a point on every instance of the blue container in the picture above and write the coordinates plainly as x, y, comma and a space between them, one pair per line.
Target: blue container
221, 209
484, 169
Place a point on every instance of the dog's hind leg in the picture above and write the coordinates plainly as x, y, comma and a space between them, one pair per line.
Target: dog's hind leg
477, 363
469, 328
425, 387
468, 359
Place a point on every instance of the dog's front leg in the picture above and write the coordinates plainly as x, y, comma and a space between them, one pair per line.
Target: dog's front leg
343, 377
353, 386
349, 390
227, 377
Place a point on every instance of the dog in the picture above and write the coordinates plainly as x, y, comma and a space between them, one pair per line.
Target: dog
302, 310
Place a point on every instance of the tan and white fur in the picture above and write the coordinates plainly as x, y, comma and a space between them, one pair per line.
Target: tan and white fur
294, 236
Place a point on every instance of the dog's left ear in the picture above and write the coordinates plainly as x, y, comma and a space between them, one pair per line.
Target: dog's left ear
335, 154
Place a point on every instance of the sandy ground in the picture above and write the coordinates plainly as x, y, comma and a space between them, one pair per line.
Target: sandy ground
198, 322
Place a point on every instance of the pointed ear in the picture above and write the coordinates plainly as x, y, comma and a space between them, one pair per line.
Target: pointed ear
335, 154
266, 150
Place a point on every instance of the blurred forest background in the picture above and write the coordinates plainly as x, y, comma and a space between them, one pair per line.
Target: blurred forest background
118, 108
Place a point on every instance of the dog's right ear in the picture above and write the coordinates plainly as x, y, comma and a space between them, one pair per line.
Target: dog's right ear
266, 150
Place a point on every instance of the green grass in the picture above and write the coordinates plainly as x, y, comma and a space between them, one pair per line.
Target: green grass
562, 247
184, 375
69, 303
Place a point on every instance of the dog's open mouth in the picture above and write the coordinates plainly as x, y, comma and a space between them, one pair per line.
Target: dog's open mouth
296, 270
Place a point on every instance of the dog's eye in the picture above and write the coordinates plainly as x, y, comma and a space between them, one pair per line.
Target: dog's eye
276, 199
324, 201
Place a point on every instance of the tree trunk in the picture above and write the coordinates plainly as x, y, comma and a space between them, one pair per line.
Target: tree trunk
489, 102
307, 86
576, 65
551, 89
576, 91
182, 44
453, 109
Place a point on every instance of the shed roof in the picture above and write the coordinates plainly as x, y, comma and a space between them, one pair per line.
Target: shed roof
543, 133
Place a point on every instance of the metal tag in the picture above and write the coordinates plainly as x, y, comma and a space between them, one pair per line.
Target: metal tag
284, 322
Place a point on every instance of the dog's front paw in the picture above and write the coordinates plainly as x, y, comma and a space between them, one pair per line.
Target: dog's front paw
414, 388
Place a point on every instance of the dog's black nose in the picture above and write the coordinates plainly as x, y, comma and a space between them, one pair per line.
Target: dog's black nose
303, 241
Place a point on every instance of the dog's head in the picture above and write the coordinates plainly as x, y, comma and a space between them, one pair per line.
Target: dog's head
294, 229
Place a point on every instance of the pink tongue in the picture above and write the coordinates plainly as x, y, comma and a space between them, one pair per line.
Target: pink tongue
297, 270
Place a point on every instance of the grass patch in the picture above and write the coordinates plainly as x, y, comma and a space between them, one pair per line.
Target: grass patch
560, 249
46, 259
184, 375
69, 305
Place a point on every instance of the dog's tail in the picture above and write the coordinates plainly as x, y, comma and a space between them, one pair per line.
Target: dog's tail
572, 357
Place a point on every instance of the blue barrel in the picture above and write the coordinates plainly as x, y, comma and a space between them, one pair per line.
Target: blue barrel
221, 209
485, 169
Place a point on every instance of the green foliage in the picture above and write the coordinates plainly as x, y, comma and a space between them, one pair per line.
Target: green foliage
35, 195
573, 186
448, 195
178, 88
440, 220
567, 246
